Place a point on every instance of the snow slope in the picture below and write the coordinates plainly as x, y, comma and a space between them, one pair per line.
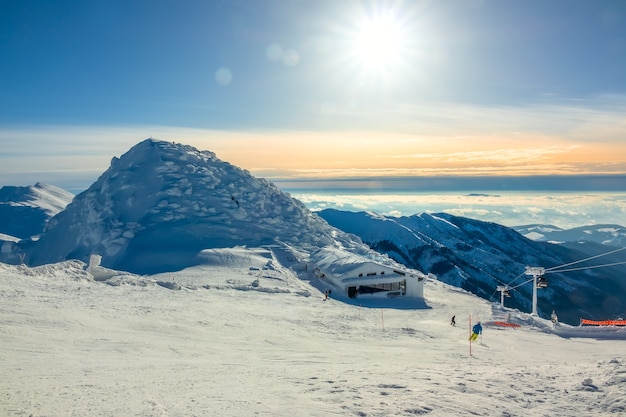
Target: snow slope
241, 338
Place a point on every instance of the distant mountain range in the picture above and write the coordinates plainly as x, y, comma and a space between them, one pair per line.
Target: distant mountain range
24, 211
161, 204
480, 256
606, 234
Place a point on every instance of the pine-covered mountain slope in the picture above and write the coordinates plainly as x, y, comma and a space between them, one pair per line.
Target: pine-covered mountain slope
24, 211
479, 256
161, 203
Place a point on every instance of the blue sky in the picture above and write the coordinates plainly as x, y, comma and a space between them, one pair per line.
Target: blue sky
297, 89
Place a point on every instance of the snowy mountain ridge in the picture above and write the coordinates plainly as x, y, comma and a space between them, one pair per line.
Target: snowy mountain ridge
33, 205
480, 256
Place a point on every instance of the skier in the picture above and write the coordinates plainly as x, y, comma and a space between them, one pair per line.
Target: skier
476, 330
453, 322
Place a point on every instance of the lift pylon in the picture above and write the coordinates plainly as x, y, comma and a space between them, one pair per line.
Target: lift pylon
536, 273
504, 292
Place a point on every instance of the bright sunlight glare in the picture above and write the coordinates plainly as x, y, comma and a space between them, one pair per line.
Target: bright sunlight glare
380, 41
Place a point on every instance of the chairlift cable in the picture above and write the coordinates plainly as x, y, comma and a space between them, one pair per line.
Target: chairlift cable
583, 260
586, 267
541, 282
519, 285
508, 286
515, 279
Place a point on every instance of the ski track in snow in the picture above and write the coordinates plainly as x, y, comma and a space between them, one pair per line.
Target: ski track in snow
257, 342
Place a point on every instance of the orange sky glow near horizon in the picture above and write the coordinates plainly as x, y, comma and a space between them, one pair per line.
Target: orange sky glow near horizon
362, 154
335, 154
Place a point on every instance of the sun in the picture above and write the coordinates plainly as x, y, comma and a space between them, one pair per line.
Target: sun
375, 47
380, 42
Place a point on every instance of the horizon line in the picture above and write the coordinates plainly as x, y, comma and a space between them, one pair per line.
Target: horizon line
565, 182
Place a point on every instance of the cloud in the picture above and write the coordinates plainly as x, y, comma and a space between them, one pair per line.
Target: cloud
565, 137
565, 210
520, 155
70, 157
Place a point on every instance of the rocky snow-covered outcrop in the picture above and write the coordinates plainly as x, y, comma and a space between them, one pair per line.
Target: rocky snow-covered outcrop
161, 203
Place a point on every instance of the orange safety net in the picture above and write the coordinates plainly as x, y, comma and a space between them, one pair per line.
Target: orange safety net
603, 322
505, 324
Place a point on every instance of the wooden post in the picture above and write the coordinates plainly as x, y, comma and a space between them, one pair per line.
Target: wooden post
470, 334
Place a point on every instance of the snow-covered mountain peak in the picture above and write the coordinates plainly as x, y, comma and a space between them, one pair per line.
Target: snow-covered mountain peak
47, 197
33, 205
161, 203
155, 150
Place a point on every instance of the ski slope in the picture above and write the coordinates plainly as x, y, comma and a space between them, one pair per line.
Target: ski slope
245, 339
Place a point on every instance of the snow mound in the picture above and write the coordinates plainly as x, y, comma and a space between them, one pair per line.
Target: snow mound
73, 269
256, 258
100, 273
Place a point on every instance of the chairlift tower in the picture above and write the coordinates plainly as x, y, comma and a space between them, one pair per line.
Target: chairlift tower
504, 291
536, 272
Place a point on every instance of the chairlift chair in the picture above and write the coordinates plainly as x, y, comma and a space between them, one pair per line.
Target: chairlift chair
542, 282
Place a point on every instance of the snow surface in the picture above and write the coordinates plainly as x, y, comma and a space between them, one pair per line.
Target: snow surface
8, 238
534, 236
238, 336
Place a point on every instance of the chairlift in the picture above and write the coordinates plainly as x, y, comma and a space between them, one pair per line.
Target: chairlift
542, 282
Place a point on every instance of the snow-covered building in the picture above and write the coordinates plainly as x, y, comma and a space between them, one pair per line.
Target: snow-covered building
361, 277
